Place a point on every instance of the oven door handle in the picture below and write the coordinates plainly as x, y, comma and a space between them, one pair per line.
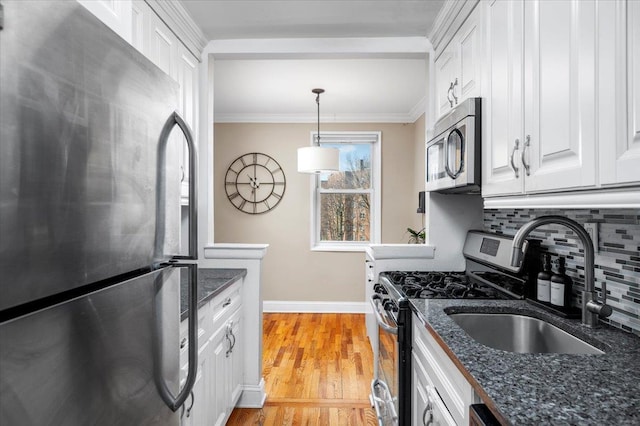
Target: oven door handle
377, 401
375, 302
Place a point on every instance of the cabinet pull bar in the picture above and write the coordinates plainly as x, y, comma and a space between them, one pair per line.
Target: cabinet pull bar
527, 167
449, 93
516, 146
453, 90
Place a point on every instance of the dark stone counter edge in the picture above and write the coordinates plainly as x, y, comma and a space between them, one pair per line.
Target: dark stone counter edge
211, 282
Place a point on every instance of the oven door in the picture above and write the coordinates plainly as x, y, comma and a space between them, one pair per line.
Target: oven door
384, 388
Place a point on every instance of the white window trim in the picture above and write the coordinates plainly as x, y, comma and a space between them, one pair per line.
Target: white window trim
376, 204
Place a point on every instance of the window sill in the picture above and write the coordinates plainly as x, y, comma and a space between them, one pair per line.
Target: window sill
360, 247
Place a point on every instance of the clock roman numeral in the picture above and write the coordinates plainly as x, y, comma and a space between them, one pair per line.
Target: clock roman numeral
233, 196
266, 203
242, 204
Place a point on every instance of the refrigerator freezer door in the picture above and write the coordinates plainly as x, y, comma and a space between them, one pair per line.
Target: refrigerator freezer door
100, 359
81, 113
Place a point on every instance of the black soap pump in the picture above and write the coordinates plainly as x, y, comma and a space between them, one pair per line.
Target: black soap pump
544, 280
560, 294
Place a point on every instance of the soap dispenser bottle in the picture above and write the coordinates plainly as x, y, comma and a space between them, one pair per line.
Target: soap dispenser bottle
544, 280
561, 287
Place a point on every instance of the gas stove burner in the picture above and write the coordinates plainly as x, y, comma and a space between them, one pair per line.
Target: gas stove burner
440, 285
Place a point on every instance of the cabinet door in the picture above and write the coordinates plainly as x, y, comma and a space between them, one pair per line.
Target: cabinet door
187, 69
559, 81
116, 14
196, 408
236, 359
445, 65
469, 46
619, 92
502, 114
419, 397
140, 22
163, 46
220, 378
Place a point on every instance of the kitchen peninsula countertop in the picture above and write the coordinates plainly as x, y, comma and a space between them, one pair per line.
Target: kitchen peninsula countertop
533, 389
210, 283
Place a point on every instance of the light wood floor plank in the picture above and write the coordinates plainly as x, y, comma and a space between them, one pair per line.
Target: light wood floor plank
317, 370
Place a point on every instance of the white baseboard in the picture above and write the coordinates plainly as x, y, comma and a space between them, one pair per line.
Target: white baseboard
252, 396
315, 307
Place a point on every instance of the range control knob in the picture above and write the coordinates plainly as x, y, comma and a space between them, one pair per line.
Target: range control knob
379, 289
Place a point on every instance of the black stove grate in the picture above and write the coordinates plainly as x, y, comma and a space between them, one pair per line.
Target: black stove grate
441, 285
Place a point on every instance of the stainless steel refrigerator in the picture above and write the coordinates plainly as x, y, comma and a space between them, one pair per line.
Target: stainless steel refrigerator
89, 225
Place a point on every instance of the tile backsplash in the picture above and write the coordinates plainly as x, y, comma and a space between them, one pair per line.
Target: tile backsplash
617, 260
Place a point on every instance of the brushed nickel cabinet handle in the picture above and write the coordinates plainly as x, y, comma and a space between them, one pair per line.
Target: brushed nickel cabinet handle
527, 167
453, 90
516, 146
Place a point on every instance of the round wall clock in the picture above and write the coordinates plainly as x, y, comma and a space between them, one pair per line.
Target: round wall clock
254, 183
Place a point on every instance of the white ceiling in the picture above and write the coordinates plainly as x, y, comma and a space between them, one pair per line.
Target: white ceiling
358, 89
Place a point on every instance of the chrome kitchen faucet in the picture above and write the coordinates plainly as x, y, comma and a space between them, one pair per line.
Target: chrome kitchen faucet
591, 308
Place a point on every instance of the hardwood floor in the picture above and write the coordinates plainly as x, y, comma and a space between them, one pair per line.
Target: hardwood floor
317, 370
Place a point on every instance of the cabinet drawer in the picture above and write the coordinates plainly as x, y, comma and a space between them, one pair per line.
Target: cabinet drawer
448, 381
205, 328
429, 404
225, 304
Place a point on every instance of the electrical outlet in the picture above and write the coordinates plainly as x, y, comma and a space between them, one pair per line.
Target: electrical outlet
592, 230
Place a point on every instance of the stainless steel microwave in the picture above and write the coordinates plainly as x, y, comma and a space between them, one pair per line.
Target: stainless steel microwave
453, 155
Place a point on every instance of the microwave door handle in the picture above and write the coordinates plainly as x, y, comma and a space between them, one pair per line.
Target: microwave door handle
453, 175
176, 119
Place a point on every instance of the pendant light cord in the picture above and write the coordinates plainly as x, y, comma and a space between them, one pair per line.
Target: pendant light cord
318, 103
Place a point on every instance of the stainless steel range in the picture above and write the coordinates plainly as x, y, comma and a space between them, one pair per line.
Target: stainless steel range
488, 275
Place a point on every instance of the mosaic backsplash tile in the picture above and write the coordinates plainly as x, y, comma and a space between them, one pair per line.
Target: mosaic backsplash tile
617, 260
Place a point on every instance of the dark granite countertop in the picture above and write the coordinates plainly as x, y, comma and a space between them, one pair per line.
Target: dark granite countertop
534, 389
210, 283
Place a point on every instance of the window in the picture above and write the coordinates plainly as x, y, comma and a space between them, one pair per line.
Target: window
346, 204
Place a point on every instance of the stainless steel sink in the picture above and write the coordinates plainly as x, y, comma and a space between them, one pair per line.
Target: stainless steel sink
521, 334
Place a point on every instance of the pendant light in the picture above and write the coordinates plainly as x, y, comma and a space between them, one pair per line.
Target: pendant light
318, 159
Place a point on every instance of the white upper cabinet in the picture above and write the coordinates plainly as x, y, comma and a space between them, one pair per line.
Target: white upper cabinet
116, 14
457, 72
502, 108
561, 102
559, 95
619, 92
163, 47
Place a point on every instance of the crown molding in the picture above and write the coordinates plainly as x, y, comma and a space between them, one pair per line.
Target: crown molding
325, 48
180, 22
449, 19
410, 117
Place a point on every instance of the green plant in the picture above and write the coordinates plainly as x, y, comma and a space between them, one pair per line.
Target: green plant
416, 237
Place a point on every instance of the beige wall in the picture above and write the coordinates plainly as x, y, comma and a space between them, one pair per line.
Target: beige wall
291, 271
418, 167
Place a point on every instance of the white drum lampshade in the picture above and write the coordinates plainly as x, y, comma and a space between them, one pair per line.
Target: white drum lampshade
317, 159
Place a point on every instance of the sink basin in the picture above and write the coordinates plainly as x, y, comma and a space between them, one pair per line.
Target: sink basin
521, 334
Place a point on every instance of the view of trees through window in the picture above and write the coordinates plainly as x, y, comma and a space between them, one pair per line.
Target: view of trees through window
345, 196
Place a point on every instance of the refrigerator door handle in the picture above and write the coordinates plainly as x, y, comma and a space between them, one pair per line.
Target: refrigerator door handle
176, 402
174, 119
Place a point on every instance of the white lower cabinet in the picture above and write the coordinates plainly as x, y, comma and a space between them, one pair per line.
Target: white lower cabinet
220, 374
441, 394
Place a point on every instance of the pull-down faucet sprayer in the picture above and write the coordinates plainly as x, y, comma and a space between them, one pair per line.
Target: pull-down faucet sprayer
591, 308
